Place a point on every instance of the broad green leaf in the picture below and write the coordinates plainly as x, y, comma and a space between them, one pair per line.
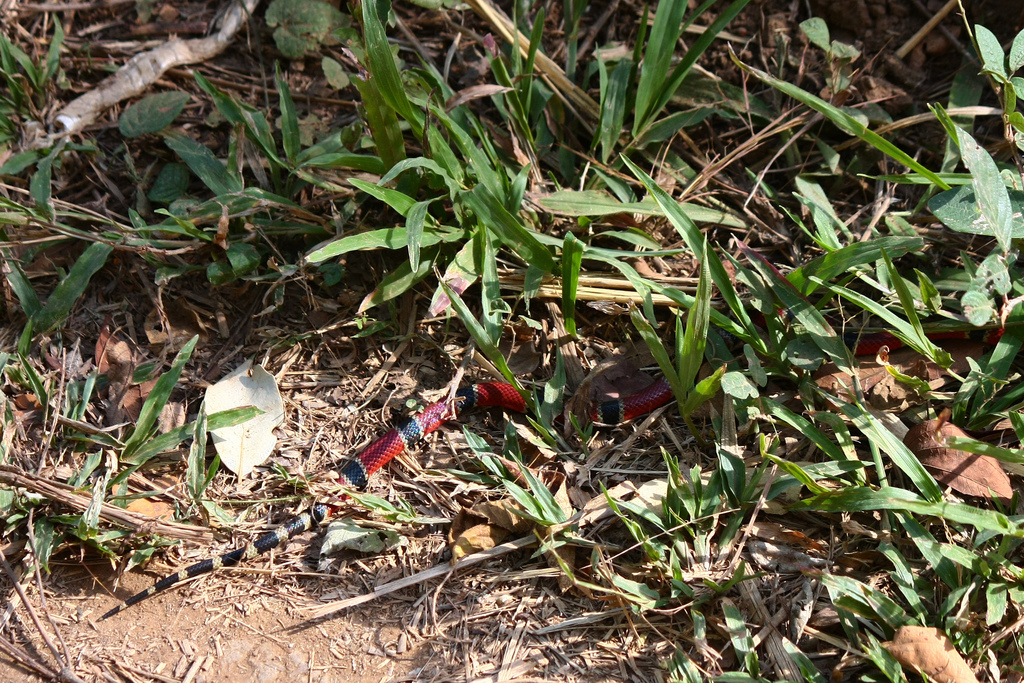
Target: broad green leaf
1016, 57
202, 162
992, 56
335, 73
958, 208
301, 26
68, 291
816, 31
152, 114
170, 184
993, 198
243, 257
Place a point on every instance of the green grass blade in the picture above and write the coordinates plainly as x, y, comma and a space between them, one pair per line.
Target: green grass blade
665, 30
861, 499
657, 348
900, 455
802, 310
492, 308
207, 167
849, 258
170, 439
399, 281
845, 122
671, 85
382, 67
382, 120
18, 281
905, 331
508, 229
386, 238
483, 341
157, 399
691, 234
614, 94
414, 229
289, 118
696, 335
68, 291
572, 258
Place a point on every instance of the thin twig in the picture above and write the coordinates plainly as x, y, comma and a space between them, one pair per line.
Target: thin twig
421, 577
65, 674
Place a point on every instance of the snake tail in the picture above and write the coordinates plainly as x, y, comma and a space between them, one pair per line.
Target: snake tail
354, 474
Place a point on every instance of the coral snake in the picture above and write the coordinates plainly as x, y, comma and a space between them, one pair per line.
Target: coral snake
494, 394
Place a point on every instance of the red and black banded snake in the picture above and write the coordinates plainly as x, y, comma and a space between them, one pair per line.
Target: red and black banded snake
357, 471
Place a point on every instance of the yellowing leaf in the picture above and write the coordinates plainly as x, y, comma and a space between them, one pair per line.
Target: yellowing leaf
244, 446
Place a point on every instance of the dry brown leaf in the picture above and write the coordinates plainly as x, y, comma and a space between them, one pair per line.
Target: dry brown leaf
152, 508
966, 473
882, 389
502, 513
135, 397
477, 538
99, 355
929, 652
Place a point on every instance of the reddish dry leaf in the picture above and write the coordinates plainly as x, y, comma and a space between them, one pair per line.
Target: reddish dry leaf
27, 401
106, 333
967, 473
929, 652
135, 397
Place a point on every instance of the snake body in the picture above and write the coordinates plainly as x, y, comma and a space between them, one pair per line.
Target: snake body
357, 471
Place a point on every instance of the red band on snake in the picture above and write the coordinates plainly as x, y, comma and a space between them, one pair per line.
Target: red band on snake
494, 394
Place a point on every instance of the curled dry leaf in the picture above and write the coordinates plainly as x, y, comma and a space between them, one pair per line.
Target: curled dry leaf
929, 652
966, 473
244, 446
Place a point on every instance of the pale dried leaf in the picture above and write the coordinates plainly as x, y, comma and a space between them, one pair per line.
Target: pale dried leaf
246, 445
